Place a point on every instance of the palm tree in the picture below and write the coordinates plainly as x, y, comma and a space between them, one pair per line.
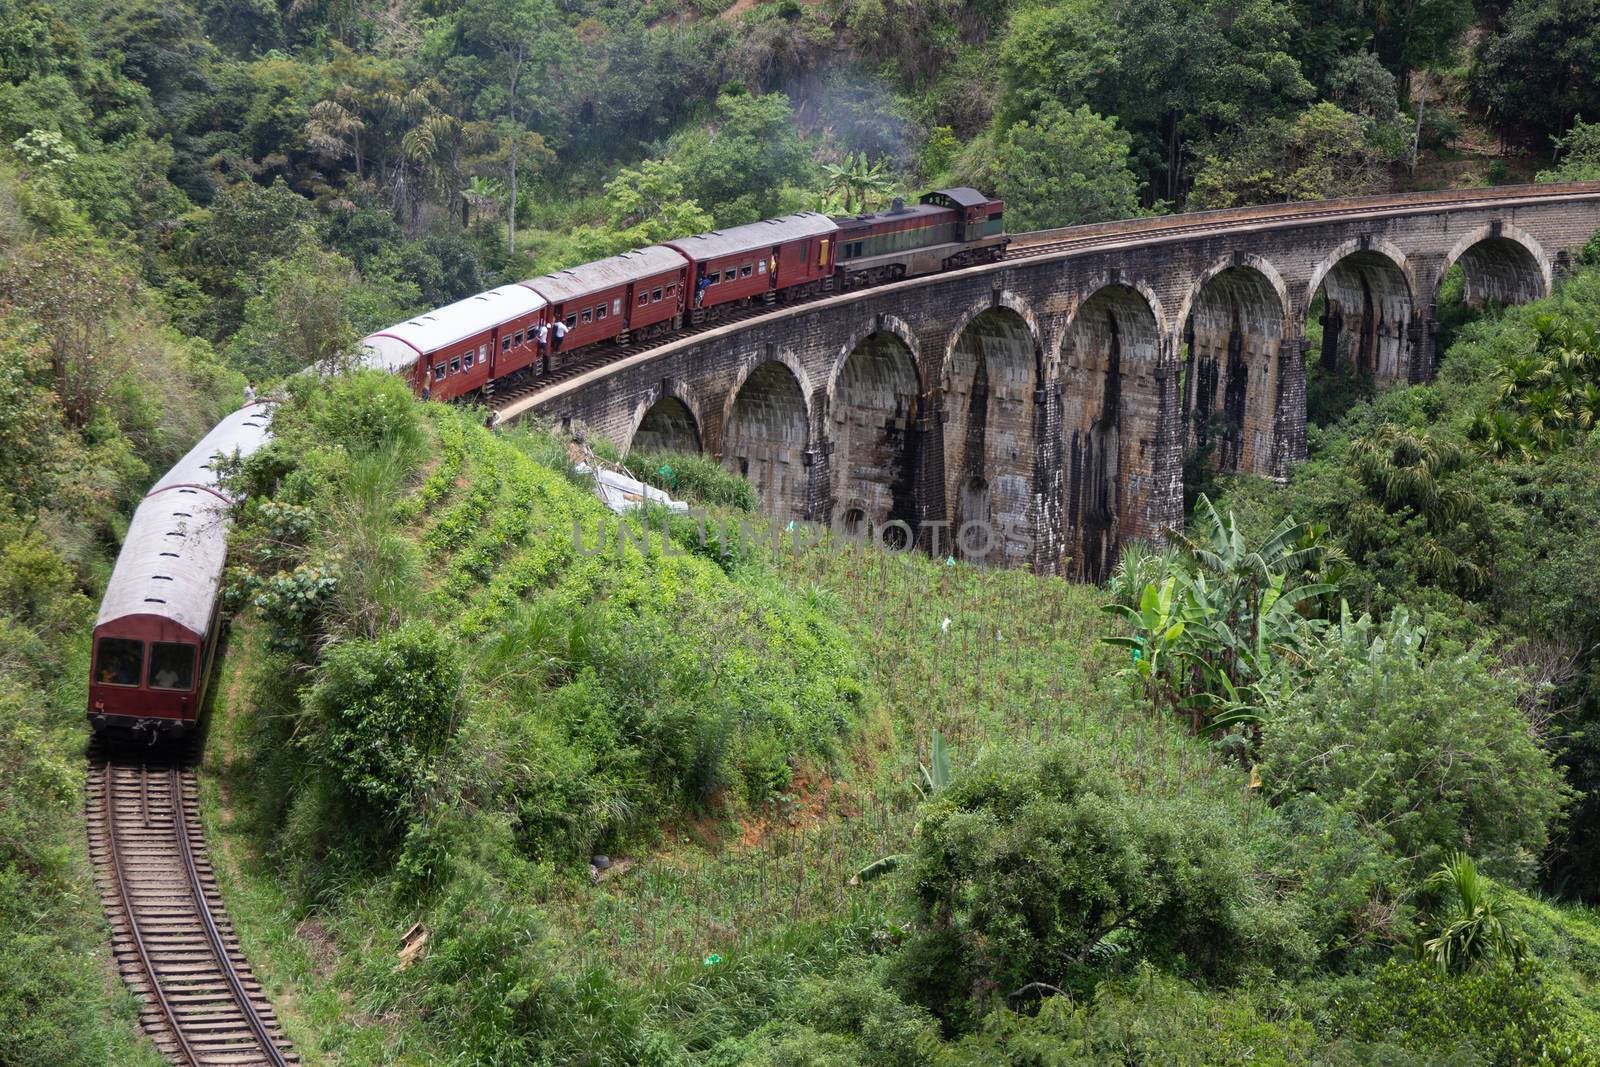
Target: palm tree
1477, 926
857, 180
483, 194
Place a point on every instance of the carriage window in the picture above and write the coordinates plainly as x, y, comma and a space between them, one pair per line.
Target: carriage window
117, 661
588, 315
644, 298
616, 305
673, 288
712, 277
466, 360
761, 268
171, 666
600, 312
455, 365
745, 271
519, 338
483, 353
438, 372
572, 320
505, 344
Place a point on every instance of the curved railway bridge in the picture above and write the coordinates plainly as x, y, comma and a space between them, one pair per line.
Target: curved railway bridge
171, 938
1050, 397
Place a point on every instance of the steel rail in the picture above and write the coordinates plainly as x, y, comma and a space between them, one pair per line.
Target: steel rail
219, 949
108, 798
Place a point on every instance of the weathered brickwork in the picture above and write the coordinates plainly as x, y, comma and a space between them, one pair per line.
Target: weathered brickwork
1051, 398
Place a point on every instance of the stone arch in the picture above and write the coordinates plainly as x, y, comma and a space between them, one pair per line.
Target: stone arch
1233, 323
991, 371
1370, 325
1095, 285
1502, 263
668, 417
874, 411
890, 324
1110, 408
766, 432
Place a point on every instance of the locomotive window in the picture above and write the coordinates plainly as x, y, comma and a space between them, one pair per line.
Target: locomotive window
438, 372
171, 666
600, 312
655, 297
117, 661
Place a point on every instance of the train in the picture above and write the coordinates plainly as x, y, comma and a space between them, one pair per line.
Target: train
464, 348
160, 618
157, 628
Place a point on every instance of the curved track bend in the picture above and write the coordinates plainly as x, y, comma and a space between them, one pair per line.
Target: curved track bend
173, 943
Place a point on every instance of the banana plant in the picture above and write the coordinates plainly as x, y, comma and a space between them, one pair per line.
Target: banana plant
1158, 627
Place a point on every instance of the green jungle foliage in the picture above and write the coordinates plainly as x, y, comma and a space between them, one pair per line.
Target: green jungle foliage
852, 808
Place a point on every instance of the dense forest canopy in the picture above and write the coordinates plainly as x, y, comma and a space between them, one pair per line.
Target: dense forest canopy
1313, 784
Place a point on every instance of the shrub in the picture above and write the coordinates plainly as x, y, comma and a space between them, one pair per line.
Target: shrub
1431, 752
695, 478
1506, 1015
383, 712
1041, 868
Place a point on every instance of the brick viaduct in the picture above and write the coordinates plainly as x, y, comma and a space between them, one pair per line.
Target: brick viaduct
1051, 397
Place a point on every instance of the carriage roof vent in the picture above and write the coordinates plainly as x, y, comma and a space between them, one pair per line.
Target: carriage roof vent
154, 600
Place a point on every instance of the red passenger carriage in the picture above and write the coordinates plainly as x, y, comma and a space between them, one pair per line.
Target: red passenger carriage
457, 349
159, 619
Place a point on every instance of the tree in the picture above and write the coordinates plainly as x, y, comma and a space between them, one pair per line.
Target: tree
1323, 152
856, 182
73, 293
298, 317
519, 39
1063, 168
1361, 84
1577, 154
1426, 747
1538, 74
1064, 53
1041, 867
738, 166
643, 207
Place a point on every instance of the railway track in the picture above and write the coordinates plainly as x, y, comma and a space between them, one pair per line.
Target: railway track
172, 940
516, 395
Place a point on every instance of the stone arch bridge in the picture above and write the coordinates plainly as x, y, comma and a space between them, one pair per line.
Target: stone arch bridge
1045, 403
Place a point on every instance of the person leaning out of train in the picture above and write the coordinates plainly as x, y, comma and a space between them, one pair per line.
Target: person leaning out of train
700, 290
543, 335
559, 334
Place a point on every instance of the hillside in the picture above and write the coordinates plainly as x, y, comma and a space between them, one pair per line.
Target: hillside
1319, 788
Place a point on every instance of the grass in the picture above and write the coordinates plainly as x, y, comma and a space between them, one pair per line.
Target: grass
721, 894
